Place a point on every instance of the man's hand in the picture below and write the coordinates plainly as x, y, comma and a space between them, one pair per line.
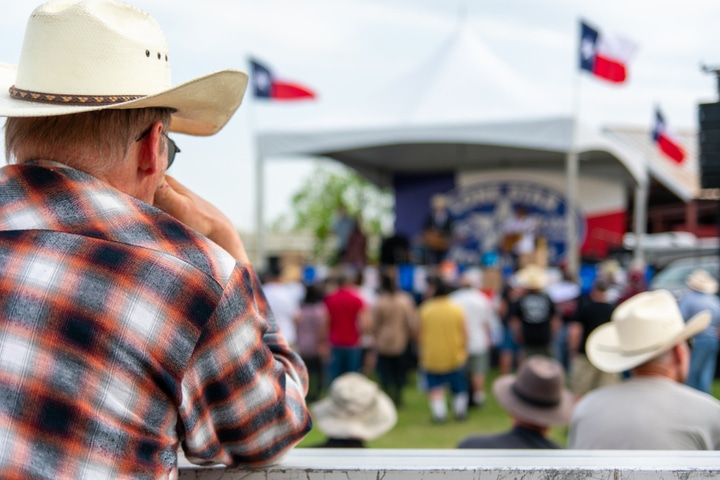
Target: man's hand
202, 216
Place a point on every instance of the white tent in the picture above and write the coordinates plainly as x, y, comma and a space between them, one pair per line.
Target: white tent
381, 151
464, 108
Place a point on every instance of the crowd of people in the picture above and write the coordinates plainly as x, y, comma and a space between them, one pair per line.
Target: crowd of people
563, 355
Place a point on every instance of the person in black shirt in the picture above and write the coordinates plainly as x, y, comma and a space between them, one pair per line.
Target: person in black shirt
591, 314
534, 318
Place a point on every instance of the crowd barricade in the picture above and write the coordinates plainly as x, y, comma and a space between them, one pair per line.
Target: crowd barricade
404, 464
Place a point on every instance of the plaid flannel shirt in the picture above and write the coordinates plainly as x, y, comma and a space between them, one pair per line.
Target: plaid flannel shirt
124, 334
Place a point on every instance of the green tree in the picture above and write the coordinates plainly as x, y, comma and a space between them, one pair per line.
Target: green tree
329, 186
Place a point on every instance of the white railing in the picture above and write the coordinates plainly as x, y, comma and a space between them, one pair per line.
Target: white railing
391, 464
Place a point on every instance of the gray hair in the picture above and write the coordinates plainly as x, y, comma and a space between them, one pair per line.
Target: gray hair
91, 141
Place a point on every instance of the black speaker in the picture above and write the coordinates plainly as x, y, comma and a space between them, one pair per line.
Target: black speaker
709, 141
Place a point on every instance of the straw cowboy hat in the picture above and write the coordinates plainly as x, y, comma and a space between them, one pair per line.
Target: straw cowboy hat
640, 329
79, 56
355, 408
701, 281
537, 394
292, 272
532, 277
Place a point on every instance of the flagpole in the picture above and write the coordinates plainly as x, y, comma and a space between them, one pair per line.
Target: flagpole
260, 250
259, 207
264, 85
571, 177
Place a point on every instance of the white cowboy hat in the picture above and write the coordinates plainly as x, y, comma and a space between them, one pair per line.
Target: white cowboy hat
537, 394
79, 56
640, 329
532, 277
355, 408
701, 281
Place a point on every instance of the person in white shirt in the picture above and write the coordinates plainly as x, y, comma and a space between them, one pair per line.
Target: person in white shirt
519, 233
284, 303
478, 319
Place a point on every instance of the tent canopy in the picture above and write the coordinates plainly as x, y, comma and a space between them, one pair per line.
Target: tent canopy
465, 108
381, 152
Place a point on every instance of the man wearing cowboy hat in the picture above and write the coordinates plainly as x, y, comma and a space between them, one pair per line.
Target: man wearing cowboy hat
702, 296
653, 410
132, 320
534, 319
536, 399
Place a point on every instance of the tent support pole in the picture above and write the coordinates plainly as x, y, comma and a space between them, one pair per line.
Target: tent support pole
572, 255
640, 215
571, 173
259, 212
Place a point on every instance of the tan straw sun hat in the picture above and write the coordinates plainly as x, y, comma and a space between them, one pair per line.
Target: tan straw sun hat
701, 281
537, 394
640, 329
79, 56
532, 277
355, 408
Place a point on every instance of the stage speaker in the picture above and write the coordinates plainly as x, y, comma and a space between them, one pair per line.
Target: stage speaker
709, 142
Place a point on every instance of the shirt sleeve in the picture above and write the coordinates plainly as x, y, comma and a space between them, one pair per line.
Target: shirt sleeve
243, 391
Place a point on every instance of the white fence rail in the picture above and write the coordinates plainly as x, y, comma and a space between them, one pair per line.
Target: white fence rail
391, 464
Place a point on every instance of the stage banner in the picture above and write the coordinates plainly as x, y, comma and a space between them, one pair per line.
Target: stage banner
499, 217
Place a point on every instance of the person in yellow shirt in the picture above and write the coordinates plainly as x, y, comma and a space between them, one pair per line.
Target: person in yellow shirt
442, 353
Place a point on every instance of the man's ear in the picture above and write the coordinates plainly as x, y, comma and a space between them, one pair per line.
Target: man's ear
677, 351
150, 161
681, 351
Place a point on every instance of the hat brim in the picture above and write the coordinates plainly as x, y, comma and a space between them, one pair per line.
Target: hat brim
543, 416
603, 345
368, 426
702, 287
202, 106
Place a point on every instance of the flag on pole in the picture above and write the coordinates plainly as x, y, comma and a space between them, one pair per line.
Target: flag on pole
605, 55
668, 145
266, 85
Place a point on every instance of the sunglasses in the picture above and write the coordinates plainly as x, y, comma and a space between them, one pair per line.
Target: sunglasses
172, 146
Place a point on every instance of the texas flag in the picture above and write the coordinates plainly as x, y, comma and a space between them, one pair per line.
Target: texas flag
265, 85
670, 147
605, 55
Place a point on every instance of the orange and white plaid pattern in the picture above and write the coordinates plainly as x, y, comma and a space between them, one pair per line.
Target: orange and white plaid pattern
125, 335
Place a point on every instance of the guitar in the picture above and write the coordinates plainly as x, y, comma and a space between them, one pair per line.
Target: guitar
436, 240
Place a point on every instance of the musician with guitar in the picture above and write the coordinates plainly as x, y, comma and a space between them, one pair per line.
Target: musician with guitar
437, 231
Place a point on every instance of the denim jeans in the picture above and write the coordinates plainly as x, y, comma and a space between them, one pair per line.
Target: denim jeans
345, 359
560, 347
456, 380
702, 363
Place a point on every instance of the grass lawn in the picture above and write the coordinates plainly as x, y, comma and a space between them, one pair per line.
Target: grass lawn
415, 430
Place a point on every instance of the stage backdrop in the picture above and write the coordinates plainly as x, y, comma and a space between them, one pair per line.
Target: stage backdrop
482, 202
